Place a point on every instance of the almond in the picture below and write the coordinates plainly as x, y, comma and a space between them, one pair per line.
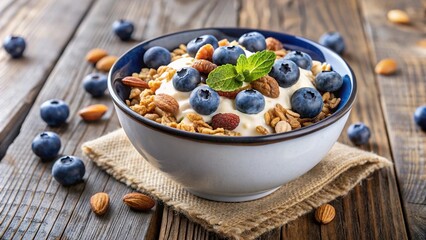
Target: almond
99, 203
325, 214
93, 112
398, 16
105, 63
422, 43
204, 66
96, 54
267, 85
273, 44
386, 66
205, 52
138, 201
223, 42
166, 103
134, 82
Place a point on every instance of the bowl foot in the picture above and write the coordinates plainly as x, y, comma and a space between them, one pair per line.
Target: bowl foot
233, 198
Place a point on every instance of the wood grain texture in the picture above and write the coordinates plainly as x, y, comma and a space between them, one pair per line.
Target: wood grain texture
401, 94
363, 213
21, 79
32, 205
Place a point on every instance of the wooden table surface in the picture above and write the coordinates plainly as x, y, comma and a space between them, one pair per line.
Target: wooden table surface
390, 204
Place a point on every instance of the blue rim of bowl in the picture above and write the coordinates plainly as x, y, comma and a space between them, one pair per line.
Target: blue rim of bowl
246, 140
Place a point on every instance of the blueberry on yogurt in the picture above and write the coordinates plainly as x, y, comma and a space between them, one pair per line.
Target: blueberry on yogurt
250, 101
156, 57
253, 41
307, 102
303, 60
204, 100
228, 54
186, 79
196, 43
286, 72
328, 81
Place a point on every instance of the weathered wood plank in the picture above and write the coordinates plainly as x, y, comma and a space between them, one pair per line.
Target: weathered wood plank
47, 27
366, 211
400, 95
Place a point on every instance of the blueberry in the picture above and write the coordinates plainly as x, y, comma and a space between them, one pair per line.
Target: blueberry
307, 102
68, 170
328, 81
334, 41
253, 41
359, 133
196, 43
225, 55
54, 112
302, 59
156, 57
95, 84
420, 117
286, 72
46, 145
250, 101
186, 79
204, 100
14, 45
123, 29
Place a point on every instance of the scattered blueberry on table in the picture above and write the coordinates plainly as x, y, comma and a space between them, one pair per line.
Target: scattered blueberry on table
334, 41
95, 84
359, 133
227, 55
307, 102
123, 29
68, 170
195, 44
303, 60
46, 145
420, 117
328, 81
54, 112
156, 57
286, 72
186, 79
204, 100
14, 46
253, 41
250, 101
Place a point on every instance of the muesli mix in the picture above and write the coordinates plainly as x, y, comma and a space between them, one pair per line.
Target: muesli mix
253, 86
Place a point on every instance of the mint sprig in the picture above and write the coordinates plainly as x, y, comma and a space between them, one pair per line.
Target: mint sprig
228, 78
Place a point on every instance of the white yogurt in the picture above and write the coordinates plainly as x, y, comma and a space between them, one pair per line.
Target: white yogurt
248, 122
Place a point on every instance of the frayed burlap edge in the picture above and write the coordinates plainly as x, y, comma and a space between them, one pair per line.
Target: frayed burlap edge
340, 182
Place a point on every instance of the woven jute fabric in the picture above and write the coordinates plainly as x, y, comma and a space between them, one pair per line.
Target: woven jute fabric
334, 176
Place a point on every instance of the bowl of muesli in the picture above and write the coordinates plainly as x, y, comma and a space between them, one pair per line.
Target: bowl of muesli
232, 114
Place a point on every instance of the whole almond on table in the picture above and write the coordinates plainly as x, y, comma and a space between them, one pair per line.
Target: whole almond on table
398, 16
325, 214
386, 66
99, 203
138, 201
105, 63
134, 82
93, 112
96, 54
166, 103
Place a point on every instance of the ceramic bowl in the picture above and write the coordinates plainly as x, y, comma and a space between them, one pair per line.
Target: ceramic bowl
224, 168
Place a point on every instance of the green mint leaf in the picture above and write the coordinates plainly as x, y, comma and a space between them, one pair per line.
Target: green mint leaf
225, 78
241, 64
257, 65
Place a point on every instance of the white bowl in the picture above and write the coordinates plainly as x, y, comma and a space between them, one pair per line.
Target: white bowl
223, 168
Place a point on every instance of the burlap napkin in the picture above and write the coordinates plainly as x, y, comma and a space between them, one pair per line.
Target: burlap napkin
334, 176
